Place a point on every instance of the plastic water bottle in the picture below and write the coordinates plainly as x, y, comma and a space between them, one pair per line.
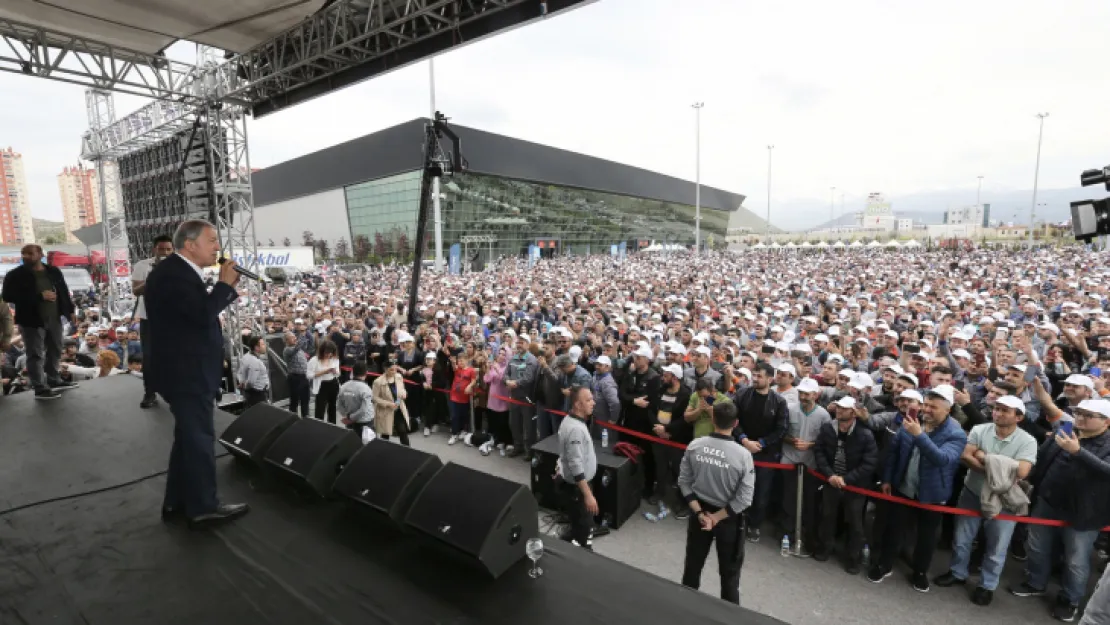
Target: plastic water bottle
866, 555
605, 438
785, 545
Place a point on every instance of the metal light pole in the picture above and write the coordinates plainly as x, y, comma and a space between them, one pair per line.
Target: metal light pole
832, 208
697, 176
437, 212
1036, 175
979, 193
770, 150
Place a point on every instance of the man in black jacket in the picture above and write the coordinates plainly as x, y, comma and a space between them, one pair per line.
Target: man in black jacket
847, 455
41, 298
639, 394
1072, 481
669, 423
764, 419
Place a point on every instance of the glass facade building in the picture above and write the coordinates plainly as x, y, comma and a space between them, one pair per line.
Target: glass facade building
559, 219
517, 193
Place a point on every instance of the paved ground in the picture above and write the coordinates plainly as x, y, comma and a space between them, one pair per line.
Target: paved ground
794, 590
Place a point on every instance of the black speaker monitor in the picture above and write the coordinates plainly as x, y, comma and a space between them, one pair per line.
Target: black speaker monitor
251, 435
313, 452
484, 518
387, 477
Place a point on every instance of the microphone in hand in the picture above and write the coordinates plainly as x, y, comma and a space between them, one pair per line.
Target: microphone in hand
246, 273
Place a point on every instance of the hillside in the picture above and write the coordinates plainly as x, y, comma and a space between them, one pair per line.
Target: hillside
48, 232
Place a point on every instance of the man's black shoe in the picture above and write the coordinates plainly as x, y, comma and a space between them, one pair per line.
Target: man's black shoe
853, 568
948, 579
1025, 590
878, 574
47, 393
222, 513
1064, 611
753, 534
821, 555
982, 596
63, 386
920, 582
148, 402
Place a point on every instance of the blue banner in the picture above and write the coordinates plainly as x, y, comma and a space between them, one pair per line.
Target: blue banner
454, 263
533, 255
613, 250
622, 249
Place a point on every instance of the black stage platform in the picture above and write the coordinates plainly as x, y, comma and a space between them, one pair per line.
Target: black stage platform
106, 558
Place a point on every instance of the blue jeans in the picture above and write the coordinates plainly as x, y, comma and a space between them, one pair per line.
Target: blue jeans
1077, 554
998, 535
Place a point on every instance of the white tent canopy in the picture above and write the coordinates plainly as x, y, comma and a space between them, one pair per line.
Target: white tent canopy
791, 245
912, 243
806, 244
874, 244
856, 243
775, 245
759, 246
893, 243
822, 244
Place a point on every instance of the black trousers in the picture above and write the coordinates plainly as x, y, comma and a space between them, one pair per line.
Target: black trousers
899, 517
252, 397
668, 461
299, 392
400, 428
574, 504
144, 338
833, 500
191, 478
499, 427
325, 399
729, 536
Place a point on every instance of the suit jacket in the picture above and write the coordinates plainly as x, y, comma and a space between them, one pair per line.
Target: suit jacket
186, 343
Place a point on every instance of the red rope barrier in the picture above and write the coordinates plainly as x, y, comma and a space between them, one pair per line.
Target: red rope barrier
787, 467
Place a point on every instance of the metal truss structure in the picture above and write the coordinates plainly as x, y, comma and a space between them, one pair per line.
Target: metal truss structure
477, 240
35, 51
117, 297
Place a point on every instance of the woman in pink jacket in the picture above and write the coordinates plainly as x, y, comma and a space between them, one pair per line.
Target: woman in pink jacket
497, 409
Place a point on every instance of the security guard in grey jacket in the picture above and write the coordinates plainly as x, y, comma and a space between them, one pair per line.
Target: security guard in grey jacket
718, 481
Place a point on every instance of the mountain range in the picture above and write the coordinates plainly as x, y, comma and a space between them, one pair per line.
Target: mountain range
929, 207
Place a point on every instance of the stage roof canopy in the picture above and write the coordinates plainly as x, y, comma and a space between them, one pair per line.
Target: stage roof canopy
152, 25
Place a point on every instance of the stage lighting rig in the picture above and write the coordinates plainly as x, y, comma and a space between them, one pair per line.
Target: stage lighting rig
1091, 218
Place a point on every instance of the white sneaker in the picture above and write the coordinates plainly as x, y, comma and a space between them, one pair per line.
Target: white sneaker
485, 448
427, 432
466, 438
435, 429
501, 446
452, 440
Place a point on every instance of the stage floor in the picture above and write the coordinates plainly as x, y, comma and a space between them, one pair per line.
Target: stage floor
96, 552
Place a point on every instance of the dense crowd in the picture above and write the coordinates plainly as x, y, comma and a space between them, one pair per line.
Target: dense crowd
975, 379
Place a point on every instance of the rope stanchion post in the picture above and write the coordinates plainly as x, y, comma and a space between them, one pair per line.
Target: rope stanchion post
799, 489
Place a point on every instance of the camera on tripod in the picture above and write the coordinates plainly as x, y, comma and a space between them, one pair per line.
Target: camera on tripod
1091, 218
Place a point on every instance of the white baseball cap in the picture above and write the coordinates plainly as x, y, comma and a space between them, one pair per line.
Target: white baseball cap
702, 349
808, 385
1080, 380
744, 372
846, 402
1097, 406
1012, 402
644, 352
944, 391
674, 370
788, 368
604, 360
911, 394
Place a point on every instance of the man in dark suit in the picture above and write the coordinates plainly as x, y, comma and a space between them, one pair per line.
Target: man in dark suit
186, 365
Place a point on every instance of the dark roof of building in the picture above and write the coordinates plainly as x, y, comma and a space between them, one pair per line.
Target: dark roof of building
399, 149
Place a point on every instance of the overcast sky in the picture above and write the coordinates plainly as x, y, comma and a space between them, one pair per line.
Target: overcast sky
896, 97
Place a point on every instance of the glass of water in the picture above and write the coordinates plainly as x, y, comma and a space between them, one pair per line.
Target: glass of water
534, 549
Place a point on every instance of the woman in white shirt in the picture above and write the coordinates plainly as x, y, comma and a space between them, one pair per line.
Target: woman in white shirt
323, 370
107, 363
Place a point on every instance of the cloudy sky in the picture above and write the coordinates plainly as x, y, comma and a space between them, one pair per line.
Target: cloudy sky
895, 97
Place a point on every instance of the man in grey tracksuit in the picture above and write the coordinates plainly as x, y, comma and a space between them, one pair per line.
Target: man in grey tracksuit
717, 480
577, 467
355, 401
607, 406
522, 370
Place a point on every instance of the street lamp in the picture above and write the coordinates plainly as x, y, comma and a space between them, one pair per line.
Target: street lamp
1036, 175
979, 193
770, 150
697, 176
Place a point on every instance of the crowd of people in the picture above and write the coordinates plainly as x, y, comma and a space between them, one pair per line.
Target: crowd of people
976, 379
